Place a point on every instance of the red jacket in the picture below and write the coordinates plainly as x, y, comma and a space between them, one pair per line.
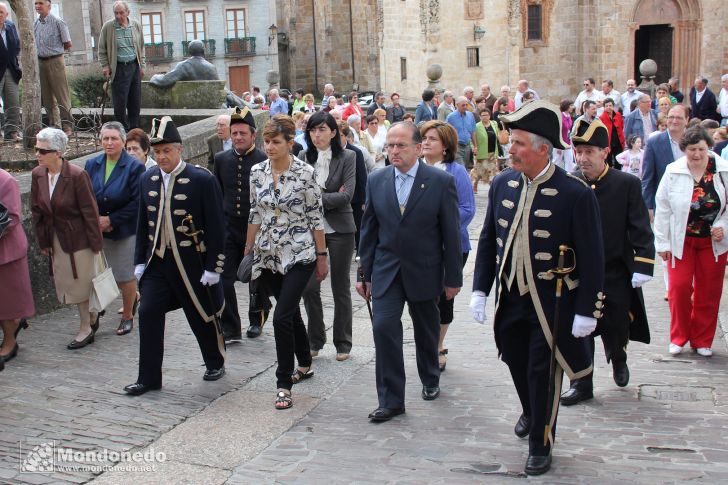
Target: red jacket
618, 124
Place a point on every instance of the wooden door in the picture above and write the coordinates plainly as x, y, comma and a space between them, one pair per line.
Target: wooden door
239, 79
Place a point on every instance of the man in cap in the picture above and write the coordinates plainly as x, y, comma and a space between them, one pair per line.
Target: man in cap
533, 210
232, 170
629, 255
172, 273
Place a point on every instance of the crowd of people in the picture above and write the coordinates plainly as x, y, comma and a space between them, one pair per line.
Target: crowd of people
581, 198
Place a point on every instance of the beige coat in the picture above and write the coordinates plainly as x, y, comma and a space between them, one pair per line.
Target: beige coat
107, 45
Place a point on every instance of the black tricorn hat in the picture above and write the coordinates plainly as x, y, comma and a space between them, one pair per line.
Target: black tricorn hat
243, 115
594, 134
538, 117
164, 131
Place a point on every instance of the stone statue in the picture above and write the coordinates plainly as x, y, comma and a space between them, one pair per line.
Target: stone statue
194, 68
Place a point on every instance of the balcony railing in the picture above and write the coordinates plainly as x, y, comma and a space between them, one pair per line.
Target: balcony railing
209, 47
240, 46
158, 52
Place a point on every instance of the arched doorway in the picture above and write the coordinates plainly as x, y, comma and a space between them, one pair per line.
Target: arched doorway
667, 31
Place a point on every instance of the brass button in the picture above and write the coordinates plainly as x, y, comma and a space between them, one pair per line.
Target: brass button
240, 167
237, 205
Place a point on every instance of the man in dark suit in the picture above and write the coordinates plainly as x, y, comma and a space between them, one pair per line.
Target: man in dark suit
172, 273
10, 75
641, 121
220, 141
629, 255
410, 249
232, 170
533, 210
703, 102
377, 103
662, 150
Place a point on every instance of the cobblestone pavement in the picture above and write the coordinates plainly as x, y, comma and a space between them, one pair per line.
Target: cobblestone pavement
669, 425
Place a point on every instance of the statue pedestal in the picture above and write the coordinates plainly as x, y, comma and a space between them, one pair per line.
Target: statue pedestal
184, 95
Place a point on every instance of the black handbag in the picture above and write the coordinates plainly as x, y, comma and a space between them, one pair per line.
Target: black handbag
245, 269
5, 219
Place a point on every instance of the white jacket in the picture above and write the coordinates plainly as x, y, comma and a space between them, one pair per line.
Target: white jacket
672, 207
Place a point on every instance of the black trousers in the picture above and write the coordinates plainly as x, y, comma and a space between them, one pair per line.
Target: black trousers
387, 329
524, 349
288, 327
613, 327
358, 212
235, 232
163, 290
126, 94
446, 306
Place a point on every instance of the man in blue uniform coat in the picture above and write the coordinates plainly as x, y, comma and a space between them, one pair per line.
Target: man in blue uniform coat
533, 209
171, 273
629, 255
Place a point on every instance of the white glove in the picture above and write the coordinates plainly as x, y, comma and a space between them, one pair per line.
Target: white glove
639, 279
139, 271
583, 326
477, 306
209, 278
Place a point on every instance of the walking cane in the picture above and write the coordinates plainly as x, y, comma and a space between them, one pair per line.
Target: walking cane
560, 271
193, 233
361, 276
104, 98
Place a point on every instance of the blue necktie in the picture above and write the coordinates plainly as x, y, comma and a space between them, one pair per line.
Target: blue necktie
402, 196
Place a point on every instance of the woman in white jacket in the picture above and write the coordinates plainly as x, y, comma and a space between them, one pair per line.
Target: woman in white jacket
690, 228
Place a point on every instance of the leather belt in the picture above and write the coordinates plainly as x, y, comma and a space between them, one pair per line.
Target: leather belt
49, 57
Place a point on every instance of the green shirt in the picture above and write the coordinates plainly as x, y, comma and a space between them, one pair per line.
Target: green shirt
110, 165
486, 146
124, 43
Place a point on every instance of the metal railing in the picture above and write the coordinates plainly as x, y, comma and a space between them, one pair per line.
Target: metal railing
209, 47
240, 46
160, 51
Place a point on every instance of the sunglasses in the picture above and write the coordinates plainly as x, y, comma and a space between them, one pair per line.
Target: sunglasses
44, 151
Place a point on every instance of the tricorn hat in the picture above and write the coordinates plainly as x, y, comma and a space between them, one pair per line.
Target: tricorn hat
594, 133
538, 117
164, 131
243, 115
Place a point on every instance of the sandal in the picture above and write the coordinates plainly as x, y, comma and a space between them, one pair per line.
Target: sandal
283, 399
442, 359
125, 327
298, 376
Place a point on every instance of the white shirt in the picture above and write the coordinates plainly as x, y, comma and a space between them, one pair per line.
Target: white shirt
321, 173
518, 99
52, 181
584, 96
627, 99
723, 103
675, 147
699, 95
227, 144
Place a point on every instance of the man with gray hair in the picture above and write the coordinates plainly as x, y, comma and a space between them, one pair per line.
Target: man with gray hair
641, 121
534, 211
10, 74
469, 94
52, 40
488, 95
220, 141
378, 103
703, 103
328, 91
464, 123
723, 100
447, 106
121, 54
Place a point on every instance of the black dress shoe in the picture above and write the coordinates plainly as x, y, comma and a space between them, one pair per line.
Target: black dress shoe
620, 372
10, 355
23, 324
384, 414
214, 374
229, 339
125, 326
75, 344
137, 389
538, 465
430, 393
523, 426
576, 395
254, 331
95, 325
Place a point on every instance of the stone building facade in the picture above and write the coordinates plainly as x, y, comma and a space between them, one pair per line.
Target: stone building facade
553, 43
329, 41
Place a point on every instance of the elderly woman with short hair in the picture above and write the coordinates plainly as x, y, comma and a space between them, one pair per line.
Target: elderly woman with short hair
139, 147
66, 223
115, 181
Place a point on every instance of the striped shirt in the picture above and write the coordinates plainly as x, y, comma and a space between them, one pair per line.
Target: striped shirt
124, 43
50, 35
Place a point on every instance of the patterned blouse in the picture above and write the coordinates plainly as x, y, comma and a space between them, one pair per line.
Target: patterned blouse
705, 204
287, 216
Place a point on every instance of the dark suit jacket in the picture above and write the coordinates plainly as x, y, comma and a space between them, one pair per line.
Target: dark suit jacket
361, 176
117, 198
658, 155
337, 205
422, 244
9, 54
633, 124
214, 146
706, 108
71, 214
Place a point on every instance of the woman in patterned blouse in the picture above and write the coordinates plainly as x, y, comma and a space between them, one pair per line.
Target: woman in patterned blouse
690, 229
286, 235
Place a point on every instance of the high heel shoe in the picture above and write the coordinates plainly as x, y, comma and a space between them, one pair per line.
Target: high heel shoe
10, 355
23, 324
75, 344
95, 325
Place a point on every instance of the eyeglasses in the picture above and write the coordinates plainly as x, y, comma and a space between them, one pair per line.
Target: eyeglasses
44, 151
399, 146
373, 122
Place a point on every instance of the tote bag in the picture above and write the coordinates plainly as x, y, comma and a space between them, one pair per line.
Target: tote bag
104, 289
